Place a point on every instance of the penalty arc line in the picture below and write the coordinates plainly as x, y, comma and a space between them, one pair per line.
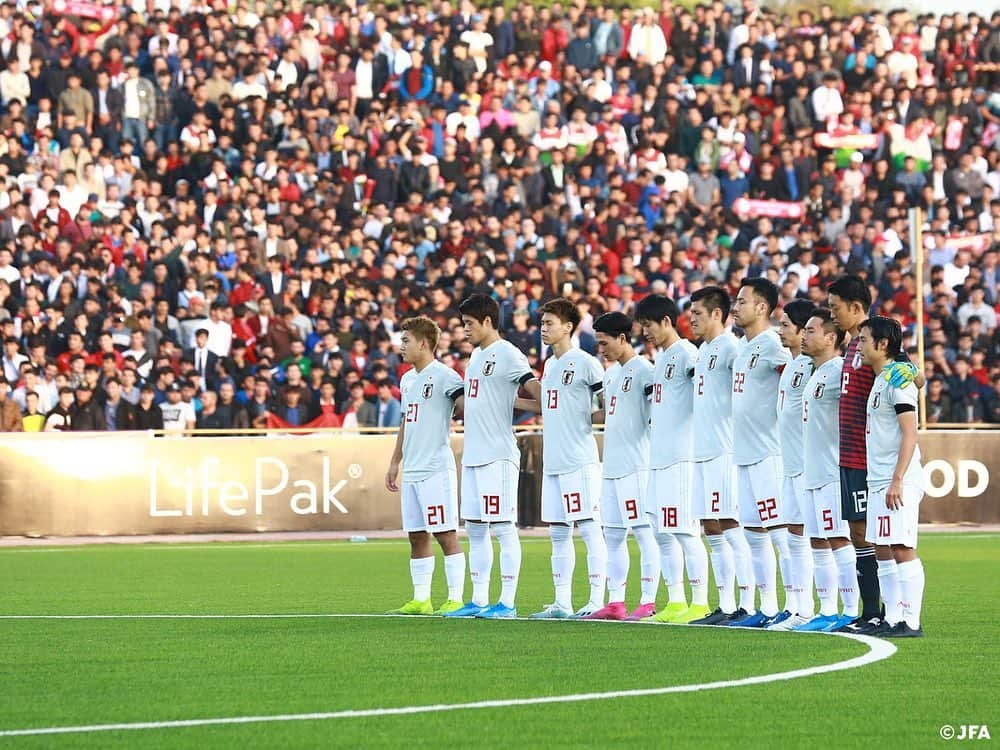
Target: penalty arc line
878, 650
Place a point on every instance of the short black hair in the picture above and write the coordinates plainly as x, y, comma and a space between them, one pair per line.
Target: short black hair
799, 311
829, 324
563, 309
713, 298
614, 324
888, 330
479, 307
656, 307
851, 289
766, 289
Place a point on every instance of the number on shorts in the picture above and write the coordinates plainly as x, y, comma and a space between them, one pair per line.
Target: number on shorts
411, 412
805, 411
552, 399
572, 500
435, 515
491, 505
884, 526
631, 509
738, 381
767, 509
860, 498
669, 518
827, 519
611, 404
715, 502
473, 387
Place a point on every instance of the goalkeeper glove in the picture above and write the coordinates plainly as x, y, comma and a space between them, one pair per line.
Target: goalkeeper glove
900, 374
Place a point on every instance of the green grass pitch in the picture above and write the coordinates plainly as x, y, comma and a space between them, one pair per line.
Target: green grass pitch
63, 672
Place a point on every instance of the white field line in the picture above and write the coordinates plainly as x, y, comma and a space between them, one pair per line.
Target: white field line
877, 651
319, 544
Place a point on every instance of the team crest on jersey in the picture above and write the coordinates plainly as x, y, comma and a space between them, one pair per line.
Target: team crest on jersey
753, 361
669, 374
627, 384
796, 380
428, 390
489, 367
818, 393
712, 360
875, 401
567, 377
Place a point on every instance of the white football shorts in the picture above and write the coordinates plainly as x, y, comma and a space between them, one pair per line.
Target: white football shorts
887, 527
826, 521
759, 493
713, 494
489, 492
571, 497
431, 504
622, 501
668, 499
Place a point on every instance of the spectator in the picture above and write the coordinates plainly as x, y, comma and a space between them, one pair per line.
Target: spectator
60, 419
388, 406
10, 414
362, 409
87, 413
177, 414
148, 415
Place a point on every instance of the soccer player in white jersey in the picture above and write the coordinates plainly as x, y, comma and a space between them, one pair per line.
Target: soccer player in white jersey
833, 554
571, 482
714, 487
430, 482
757, 370
895, 486
797, 569
626, 468
491, 460
668, 497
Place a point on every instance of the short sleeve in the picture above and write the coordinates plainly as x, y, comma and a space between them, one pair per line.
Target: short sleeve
518, 369
730, 354
595, 377
691, 362
906, 397
453, 384
779, 357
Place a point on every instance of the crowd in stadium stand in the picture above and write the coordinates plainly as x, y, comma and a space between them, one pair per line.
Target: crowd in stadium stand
217, 216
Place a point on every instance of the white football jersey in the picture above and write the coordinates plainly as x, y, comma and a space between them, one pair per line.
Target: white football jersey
821, 424
428, 400
756, 374
569, 383
883, 434
672, 402
713, 397
790, 389
626, 420
491, 383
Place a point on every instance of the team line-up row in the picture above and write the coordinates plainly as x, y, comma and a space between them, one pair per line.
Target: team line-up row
793, 448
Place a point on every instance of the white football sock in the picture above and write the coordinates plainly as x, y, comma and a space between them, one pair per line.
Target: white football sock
911, 588
802, 576
743, 566
563, 562
480, 561
597, 559
618, 563
888, 583
697, 567
847, 572
779, 538
723, 566
422, 571
765, 570
649, 563
672, 567
826, 581
510, 560
454, 574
